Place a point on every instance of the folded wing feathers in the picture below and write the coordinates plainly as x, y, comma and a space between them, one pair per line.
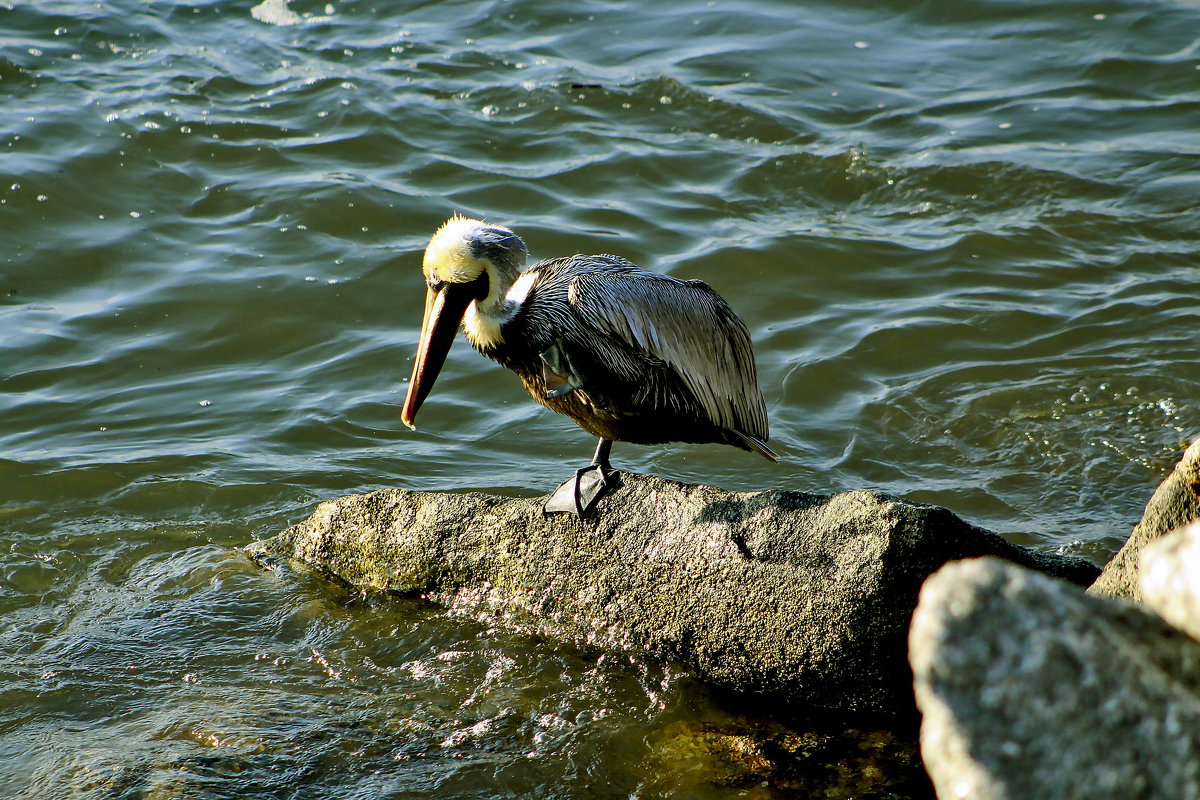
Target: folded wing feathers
687, 325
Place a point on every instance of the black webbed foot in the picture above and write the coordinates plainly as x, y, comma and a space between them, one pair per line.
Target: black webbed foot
579, 494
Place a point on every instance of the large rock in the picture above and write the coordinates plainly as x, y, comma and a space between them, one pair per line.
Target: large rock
1175, 503
1030, 688
800, 596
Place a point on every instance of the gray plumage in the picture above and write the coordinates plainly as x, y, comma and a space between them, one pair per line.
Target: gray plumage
675, 346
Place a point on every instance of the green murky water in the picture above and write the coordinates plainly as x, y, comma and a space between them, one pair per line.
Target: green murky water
965, 239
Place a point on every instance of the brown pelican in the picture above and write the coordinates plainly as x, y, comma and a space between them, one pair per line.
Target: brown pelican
630, 355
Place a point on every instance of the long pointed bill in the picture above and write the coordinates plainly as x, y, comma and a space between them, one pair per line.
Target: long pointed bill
444, 312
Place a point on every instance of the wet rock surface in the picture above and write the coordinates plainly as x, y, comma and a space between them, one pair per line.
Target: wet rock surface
762, 757
1030, 688
802, 597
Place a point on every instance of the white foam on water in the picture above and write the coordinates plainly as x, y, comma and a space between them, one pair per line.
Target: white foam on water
276, 12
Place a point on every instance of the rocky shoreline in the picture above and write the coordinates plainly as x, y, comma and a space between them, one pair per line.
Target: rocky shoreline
805, 600
1028, 687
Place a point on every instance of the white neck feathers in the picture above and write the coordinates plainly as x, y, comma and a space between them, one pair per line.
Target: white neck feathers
483, 324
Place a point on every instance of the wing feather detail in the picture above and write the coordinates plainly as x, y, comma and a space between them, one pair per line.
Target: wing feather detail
685, 324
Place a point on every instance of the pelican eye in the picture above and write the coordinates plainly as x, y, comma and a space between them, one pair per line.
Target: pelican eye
436, 284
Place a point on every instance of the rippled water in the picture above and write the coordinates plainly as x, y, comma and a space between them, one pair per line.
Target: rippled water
964, 237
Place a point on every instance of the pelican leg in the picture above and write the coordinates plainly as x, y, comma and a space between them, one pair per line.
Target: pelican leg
579, 494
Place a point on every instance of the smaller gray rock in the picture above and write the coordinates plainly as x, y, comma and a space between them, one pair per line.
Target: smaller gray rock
1175, 503
1030, 688
1170, 578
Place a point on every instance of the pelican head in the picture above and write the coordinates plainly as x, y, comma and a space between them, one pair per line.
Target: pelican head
469, 268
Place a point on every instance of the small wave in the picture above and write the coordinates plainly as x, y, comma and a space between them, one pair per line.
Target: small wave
277, 12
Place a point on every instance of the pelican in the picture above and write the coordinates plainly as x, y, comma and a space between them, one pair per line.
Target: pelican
630, 355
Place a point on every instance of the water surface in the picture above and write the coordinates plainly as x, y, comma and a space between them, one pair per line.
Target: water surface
964, 238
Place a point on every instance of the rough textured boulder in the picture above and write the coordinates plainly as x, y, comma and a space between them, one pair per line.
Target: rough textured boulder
799, 596
1170, 578
1030, 688
1175, 503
